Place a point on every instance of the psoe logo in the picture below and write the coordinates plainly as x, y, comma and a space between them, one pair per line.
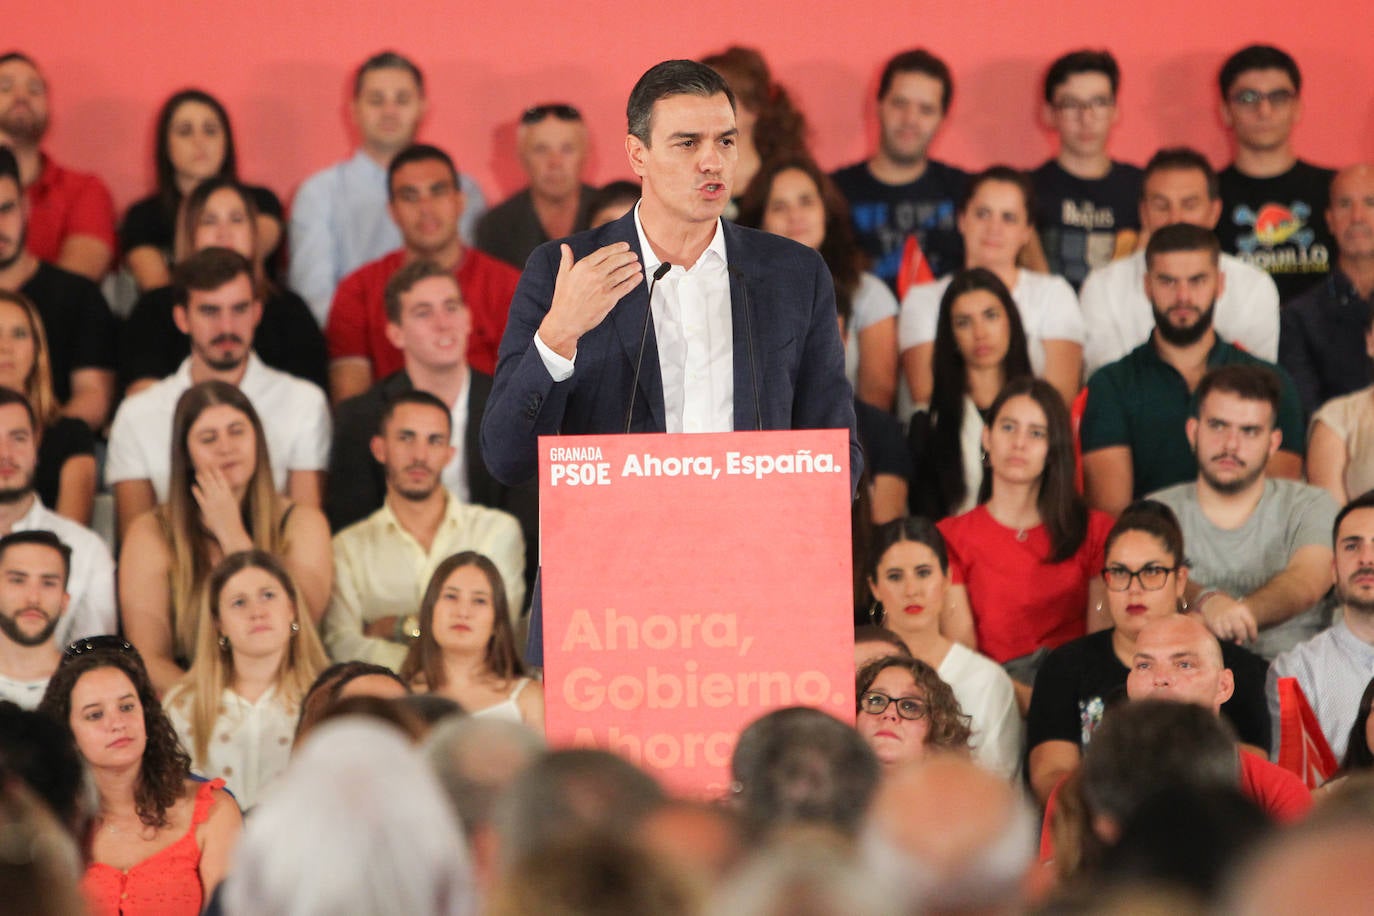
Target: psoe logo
1275, 225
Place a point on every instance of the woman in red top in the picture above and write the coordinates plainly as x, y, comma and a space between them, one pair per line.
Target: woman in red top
1025, 560
161, 841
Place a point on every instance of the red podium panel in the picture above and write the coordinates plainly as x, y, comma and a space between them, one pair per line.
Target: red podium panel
690, 584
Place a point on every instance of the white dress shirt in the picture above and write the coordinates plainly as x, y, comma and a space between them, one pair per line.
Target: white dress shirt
455, 474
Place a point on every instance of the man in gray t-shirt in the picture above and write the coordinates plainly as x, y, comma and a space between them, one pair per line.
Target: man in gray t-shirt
1259, 550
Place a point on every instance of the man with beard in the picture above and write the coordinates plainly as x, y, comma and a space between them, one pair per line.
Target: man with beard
217, 307
76, 319
90, 576
383, 564
1258, 555
71, 214
1333, 668
33, 598
1133, 424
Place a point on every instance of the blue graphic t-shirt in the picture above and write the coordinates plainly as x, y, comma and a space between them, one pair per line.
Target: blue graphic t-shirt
1279, 225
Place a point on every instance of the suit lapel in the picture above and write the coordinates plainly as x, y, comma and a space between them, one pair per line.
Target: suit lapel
628, 318
742, 302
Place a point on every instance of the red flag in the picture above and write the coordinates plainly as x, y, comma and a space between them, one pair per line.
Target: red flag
1303, 749
914, 269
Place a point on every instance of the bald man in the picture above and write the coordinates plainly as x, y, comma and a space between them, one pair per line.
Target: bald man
1324, 333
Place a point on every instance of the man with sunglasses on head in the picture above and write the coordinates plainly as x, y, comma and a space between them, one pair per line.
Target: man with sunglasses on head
1273, 204
552, 143
33, 598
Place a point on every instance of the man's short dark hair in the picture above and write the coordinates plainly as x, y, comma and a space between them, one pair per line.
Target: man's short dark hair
387, 60
414, 396
1363, 501
670, 78
9, 166
404, 280
205, 270
418, 152
918, 60
1181, 237
1085, 61
41, 752
1257, 57
17, 55
9, 396
1182, 159
43, 538
1247, 381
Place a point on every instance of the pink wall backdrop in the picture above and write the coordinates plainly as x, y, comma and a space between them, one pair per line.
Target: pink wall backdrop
282, 69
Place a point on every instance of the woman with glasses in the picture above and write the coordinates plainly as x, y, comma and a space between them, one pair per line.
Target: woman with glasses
161, 841
904, 711
1145, 573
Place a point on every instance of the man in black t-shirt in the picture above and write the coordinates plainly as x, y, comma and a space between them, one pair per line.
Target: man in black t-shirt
76, 319
1085, 204
902, 202
1273, 204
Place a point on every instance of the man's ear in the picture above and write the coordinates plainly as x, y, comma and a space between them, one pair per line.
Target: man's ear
179, 318
378, 447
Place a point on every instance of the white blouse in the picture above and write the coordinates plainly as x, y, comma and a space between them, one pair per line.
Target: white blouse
250, 743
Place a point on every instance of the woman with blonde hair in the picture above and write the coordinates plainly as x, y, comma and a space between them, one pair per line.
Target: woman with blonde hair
221, 500
257, 653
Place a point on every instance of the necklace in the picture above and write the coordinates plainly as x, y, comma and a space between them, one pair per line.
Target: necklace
1021, 534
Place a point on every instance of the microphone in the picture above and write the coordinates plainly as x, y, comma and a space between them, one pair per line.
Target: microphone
659, 274
749, 339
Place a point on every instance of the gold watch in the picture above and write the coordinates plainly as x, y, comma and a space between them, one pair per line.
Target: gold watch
408, 628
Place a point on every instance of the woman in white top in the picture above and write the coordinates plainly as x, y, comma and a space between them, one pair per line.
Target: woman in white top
995, 221
258, 654
908, 574
466, 650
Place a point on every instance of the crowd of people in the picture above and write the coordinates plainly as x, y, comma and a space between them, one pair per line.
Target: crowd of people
1113, 529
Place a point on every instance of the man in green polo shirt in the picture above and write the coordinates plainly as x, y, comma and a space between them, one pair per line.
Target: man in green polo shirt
1133, 429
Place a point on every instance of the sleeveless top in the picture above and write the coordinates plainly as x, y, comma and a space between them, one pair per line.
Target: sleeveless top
167, 883
507, 709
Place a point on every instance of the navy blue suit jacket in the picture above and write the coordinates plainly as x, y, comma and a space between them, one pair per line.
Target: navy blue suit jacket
797, 354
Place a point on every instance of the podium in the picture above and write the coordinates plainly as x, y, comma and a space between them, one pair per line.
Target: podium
692, 583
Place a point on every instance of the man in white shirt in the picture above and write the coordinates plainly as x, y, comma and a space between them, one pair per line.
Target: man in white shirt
1179, 187
90, 576
33, 598
217, 306
383, 564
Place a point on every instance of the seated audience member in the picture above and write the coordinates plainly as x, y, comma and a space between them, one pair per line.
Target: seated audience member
903, 202
466, 649
65, 476
551, 143
342, 681
358, 825
1146, 574
795, 199
888, 468
1319, 866
949, 837
1325, 342
979, 347
383, 562
907, 714
220, 213
1359, 743
1259, 555
771, 128
71, 214
816, 868
77, 321
194, 143
995, 222
1179, 187
221, 500
41, 873
702, 839
33, 598
1178, 659
339, 217
217, 308
584, 877
612, 201
908, 575
872, 641
1273, 203
41, 752
799, 767
91, 571
1085, 202
428, 320
1333, 667
1340, 443
426, 202
256, 654
162, 840
1133, 423
1025, 561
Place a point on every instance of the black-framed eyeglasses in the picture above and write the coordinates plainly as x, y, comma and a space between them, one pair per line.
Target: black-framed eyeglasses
559, 110
95, 644
911, 708
1277, 98
1098, 104
1152, 577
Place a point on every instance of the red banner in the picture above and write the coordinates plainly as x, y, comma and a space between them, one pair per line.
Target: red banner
692, 583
